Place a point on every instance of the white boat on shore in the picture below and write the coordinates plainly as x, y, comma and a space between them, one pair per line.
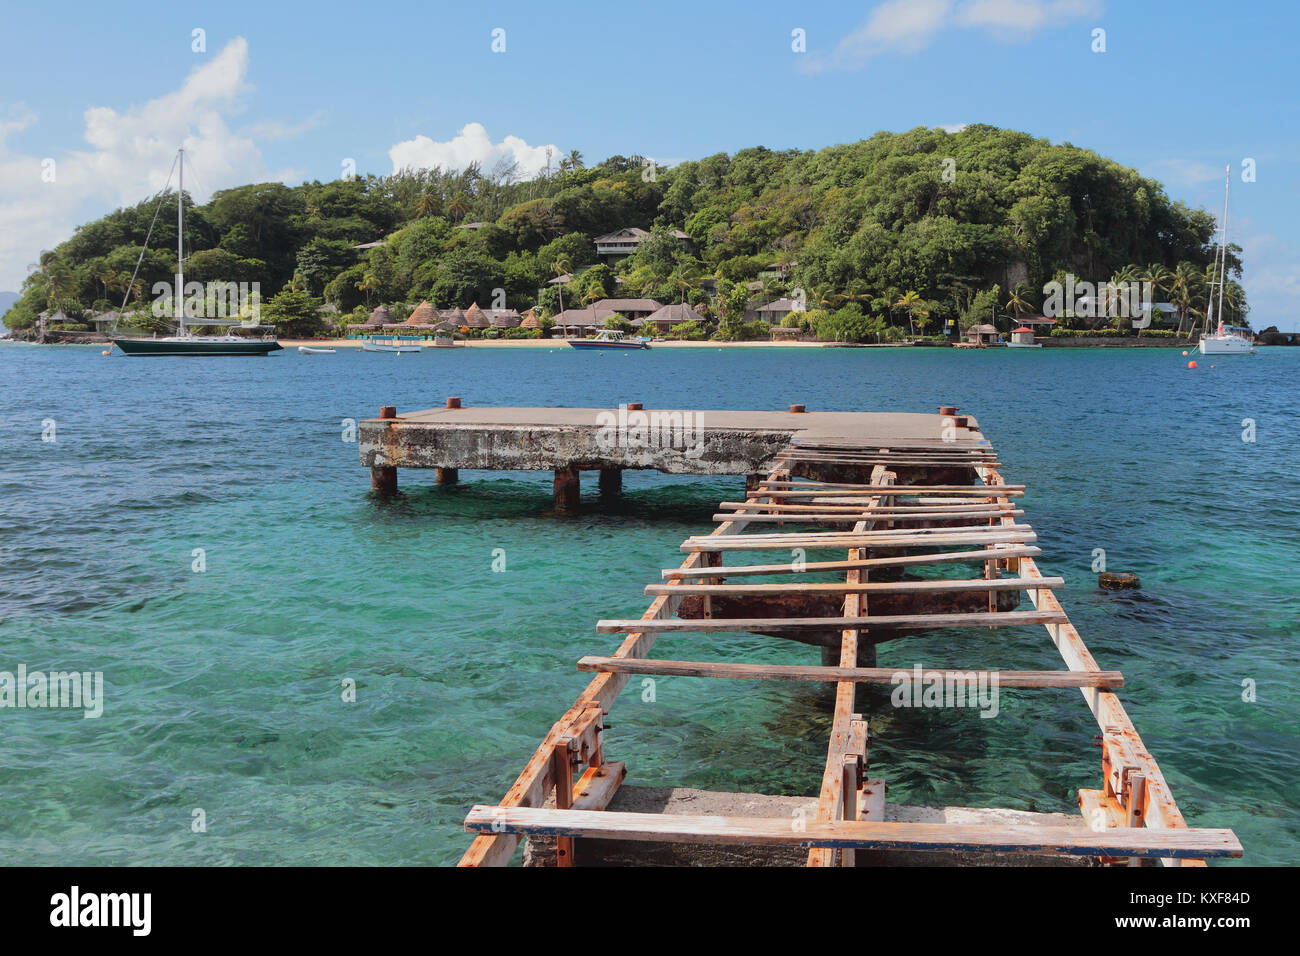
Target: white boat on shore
315, 350
390, 344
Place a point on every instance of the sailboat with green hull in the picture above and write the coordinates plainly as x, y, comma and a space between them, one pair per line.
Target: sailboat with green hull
185, 342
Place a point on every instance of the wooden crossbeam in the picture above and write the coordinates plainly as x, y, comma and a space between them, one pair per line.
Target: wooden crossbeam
858, 675
852, 494
927, 586
762, 625
811, 567
941, 447
805, 517
854, 834
987, 491
892, 462
777, 542
833, 538
818, 505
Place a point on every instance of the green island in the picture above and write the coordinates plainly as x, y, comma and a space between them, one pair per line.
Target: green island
923, 237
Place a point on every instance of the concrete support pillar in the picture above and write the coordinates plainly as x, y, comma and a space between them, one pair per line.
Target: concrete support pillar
611, 481
446, 476
383, 479
567, 490
752, 482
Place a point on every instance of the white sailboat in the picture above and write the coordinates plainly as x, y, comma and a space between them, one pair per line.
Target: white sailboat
1225, 339
185, 342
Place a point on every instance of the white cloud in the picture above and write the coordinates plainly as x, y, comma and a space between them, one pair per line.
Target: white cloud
1183, 173
953, 127
128, 159
472, 145
909, 26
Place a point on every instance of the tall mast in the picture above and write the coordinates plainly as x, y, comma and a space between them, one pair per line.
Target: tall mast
180, 243
1223, 270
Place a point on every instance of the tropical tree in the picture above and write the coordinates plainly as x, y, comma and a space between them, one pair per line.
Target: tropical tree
1017, 302
458, 208
427, 205
1159, 277
368, 284
563, 266
1183, 286
911, 303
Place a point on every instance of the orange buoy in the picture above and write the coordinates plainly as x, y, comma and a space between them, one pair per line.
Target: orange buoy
1184, 351
1191, 365
105, 352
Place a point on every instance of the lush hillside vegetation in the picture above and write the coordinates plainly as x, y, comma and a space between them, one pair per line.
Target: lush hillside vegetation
912, 228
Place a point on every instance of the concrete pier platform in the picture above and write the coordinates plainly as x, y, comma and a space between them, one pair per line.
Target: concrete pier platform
674, 441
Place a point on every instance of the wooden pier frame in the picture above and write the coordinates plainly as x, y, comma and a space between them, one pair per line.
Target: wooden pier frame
1131, 817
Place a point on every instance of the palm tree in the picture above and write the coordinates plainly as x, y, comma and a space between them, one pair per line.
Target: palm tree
369, 283
857, 291
827, 297
427, 205
1159, 277
458, 207
912, 304
687, 274
574, 159
1017, 302
563, 266
1183, 288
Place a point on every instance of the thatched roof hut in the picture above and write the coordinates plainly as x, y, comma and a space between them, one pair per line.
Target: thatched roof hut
530, 320
476, 319
424, 316
380, 317
504, 318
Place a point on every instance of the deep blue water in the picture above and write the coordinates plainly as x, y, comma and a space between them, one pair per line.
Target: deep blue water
223, 688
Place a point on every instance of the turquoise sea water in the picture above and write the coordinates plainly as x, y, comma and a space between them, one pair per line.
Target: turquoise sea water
223, 688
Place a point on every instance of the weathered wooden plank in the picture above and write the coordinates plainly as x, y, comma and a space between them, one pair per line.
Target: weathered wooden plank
1161, 810
941, 536
857, 675
776, 506
930, 585
904, 491
843, 517
831, 798
537, 779
836, 539
856, 834
906, 560
720, 625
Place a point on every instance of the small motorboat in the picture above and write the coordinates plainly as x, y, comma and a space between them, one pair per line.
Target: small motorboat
610, 339
390, 344
314, 350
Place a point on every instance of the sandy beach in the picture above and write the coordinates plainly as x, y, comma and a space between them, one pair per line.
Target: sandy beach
561, 343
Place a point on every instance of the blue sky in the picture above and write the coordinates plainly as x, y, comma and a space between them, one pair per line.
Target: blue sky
291, 91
